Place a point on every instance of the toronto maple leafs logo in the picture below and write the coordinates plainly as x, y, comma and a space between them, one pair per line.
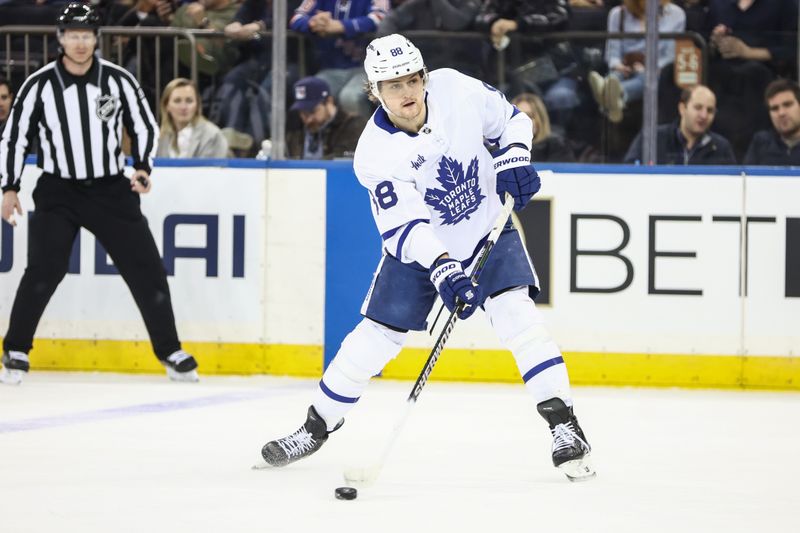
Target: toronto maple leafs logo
462, 193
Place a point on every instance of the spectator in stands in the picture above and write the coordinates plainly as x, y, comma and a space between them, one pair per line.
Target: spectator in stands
144, 14
338, 27
214, 55
185, 133
779, 145
548, 68
625, 57
242, 103
547, 146
6, 98
327, 131
689, 140
695, 14
589, 15
29, 12
441, 15
754, 41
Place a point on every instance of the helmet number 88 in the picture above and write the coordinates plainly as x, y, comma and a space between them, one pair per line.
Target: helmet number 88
396, 52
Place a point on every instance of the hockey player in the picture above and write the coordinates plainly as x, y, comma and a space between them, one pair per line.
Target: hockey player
434, 190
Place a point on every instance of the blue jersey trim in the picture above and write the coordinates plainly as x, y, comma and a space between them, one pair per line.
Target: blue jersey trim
405, 233
381, 120
467, 262
542, 367
388, 234
333, 396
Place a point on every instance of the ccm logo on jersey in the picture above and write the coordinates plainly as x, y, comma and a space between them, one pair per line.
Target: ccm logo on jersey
510, 160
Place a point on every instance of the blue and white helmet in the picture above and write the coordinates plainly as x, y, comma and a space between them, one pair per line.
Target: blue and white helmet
390, 57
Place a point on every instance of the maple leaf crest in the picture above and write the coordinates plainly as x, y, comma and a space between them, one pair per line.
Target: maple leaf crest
460, 195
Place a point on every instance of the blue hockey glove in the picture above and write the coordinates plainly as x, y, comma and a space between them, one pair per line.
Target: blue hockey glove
516, 175
454, 286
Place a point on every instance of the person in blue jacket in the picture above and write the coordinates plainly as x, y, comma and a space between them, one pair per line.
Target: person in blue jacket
338, 27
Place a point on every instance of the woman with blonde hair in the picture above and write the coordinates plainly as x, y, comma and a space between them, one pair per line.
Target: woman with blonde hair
185, 132
547, 146
625, 57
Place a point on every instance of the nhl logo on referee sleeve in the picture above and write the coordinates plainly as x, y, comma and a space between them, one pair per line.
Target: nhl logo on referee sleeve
105, 106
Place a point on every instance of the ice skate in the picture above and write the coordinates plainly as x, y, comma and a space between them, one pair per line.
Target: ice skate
15, 366
302, 443
571, 451
181, 367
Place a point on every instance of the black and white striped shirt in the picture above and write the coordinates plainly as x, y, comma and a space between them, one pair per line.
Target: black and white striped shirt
79, 121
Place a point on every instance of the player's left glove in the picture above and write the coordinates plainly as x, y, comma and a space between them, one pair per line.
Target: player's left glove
454, 286
516, 175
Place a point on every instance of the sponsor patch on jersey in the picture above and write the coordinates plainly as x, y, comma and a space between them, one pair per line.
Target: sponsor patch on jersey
460, 195
105, 106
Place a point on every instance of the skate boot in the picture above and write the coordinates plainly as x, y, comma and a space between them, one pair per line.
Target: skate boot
302, 443
15, 366
181, 367
571, 451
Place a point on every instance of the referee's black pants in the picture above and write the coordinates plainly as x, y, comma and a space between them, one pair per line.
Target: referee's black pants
109, 209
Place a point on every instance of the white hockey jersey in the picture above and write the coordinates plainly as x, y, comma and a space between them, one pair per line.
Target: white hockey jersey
441, 178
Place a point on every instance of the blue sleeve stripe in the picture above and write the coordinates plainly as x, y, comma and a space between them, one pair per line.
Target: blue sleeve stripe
541, 367
390, 233
516, 111
405, 233
333, 396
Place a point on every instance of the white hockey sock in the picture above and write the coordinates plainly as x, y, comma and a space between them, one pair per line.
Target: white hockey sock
541, 365
520, 327
363, 354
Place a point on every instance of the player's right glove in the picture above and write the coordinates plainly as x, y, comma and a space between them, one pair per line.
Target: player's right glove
516, 175
454, 286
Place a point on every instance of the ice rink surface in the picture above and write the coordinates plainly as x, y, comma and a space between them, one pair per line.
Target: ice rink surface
118, 453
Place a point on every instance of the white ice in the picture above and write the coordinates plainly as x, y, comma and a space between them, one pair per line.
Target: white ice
115, 453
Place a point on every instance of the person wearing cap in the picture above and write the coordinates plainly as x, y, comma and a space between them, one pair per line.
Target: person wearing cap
436, 192
78, 105
324, 131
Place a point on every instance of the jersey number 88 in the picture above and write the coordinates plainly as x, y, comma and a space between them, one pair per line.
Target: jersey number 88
385, 194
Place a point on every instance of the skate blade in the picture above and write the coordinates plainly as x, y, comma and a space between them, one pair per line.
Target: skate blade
183, 377
11, 376
579, 469
361, 476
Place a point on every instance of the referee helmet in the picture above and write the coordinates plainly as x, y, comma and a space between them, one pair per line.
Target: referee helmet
78, 16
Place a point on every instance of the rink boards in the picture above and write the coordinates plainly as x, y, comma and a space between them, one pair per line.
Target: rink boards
648, 276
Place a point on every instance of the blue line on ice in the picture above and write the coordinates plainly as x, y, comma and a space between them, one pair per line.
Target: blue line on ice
69, 419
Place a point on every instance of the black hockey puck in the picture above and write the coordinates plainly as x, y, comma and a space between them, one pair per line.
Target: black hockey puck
346, 493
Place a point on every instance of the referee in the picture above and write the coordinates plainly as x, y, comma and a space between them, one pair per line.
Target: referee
78, 106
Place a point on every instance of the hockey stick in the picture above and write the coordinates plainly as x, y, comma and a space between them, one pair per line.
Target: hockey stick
368, 475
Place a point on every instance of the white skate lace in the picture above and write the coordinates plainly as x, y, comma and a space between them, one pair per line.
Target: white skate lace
18, 356
564, 436
178, 357
297, 443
